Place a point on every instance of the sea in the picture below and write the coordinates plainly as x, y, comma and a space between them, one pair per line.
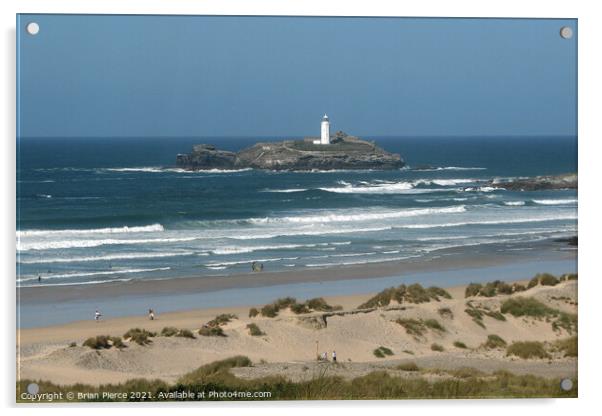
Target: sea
98, 210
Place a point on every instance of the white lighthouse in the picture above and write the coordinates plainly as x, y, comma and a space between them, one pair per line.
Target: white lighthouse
325, 130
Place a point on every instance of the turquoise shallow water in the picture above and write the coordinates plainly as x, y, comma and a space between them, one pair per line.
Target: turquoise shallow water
104, 210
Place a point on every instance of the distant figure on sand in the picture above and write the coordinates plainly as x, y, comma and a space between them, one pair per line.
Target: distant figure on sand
39, 279
151, 314
324, 356
257, 267
334, 356
97, 315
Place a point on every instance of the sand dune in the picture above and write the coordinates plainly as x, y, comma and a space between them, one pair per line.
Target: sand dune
291, 341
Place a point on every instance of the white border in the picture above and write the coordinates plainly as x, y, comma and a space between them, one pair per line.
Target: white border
590, 134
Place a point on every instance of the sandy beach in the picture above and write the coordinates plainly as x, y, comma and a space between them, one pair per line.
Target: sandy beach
291, 341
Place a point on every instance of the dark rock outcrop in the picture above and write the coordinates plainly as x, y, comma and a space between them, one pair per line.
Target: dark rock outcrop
345, 152
206, 156
538, 183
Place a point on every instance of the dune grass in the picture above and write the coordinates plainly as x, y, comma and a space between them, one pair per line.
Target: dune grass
494, 341
408, 366
382, 352
271, 310
568, 346
527, 349
212, 331
492, 289
437, 347
460, 344
531, 307
100, 342
461, 383
434, 324
478, 313
413, 327
414, 293
254, 330
139, 336
445, 313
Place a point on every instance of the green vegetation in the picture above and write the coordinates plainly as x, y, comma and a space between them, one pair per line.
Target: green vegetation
185, 333
463, 383
434, 324
527, 349
569, 276
222, 319
445, 313
436, 347
254, 330
566, 321
253, 312
319, 304
414, 293
460, 344
72, 344
494, 341
169, 331
139, 336
102, 342
269, 311
413, 327
381, 352
477, 314
530, 307
544, 279
568, 346
408, 366
212, 331
316, 304
491, 289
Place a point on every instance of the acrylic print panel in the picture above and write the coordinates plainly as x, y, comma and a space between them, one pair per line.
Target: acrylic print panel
277, 208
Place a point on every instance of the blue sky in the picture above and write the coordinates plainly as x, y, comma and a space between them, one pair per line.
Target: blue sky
122, 76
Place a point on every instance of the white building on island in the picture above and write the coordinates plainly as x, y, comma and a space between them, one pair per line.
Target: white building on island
324, 131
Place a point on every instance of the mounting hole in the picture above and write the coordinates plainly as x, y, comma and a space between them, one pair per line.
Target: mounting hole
566, 32
566, 384
33, 28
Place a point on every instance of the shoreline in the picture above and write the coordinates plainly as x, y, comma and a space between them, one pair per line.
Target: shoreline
453, 258
44, 307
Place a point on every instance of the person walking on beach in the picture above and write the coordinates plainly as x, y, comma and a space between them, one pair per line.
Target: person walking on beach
151, 314
39, 278
97, 315
334, 356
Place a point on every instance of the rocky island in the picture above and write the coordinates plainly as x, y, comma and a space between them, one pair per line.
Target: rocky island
342, 151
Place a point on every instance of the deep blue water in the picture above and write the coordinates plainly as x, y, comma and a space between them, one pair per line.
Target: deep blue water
97, 210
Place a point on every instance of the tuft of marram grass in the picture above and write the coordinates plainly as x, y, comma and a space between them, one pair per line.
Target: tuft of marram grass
460, 344
434, 324
212, 331
253, 312
568, 345
437, 347
408, 366
169, 331
100, 342
527, 349
254, 330
381, 352
531, 307
413, 327
494, 341
140, 336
